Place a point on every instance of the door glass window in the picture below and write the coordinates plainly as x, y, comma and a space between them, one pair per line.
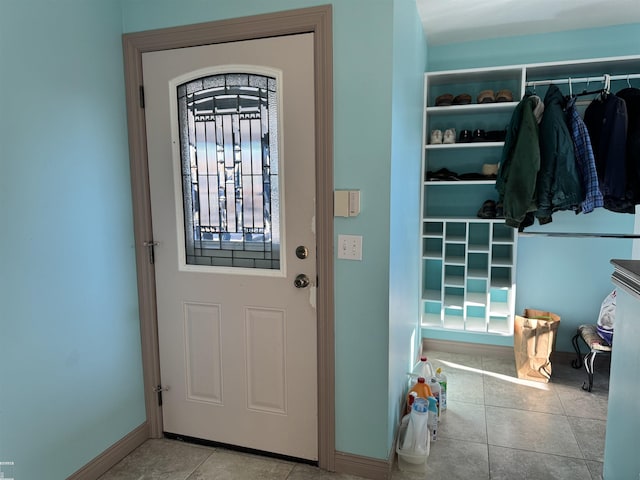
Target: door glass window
229, 156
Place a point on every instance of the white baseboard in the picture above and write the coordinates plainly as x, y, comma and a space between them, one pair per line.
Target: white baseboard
116, 452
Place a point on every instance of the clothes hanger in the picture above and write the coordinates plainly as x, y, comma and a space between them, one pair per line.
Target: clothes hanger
570, 89
603, 90
532, 91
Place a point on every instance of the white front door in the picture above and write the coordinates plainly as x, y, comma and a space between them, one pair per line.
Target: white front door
230, 138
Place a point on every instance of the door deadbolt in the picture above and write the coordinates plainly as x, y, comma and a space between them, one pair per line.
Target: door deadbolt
301, 281
302, 252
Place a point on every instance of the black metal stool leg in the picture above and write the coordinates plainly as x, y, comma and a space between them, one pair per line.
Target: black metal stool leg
578, 362
588, 365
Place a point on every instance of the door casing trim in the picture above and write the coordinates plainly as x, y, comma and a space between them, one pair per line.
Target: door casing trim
316, 20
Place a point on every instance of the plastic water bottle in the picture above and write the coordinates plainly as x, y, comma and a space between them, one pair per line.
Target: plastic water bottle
419, 390
416, 439
423, 369
442, 380
432, 421
436, 390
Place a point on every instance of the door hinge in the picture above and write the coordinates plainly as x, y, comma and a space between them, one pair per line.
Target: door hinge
158, 391
151, 250
141, 96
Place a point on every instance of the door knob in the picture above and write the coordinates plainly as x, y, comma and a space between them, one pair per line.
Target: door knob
301, 281
302, 252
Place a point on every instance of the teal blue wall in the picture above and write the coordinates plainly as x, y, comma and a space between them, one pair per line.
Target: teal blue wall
566, 276
550, 47
362, 160
70, 368
409, 64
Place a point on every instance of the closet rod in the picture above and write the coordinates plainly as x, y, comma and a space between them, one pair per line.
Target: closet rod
535, 83
578, 235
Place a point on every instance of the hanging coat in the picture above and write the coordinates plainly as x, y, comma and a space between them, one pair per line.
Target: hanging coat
631, 97
584, 159
516, 180
558, 185
606, 120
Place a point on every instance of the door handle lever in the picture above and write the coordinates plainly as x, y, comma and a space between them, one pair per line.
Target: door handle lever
301, 281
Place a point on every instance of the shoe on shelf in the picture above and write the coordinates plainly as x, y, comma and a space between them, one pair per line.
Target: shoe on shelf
462, 99
465, 136
443, 174
444, 100
486, 96
436, 137
479, 135
487, 210
504, 96
490, 169
496, 135
449, 136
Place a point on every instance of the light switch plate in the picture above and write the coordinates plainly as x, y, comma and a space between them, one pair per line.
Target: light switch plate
346, 203
350, 247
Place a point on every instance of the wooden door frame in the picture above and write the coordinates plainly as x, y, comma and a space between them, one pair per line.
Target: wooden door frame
316, 20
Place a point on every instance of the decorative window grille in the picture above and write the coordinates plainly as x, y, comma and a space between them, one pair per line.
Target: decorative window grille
229, 156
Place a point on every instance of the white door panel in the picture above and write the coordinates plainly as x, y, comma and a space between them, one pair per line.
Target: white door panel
237, 345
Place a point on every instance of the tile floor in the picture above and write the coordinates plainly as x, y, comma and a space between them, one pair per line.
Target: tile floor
496, 427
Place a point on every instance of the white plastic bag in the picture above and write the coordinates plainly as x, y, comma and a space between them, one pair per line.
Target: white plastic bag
607, 317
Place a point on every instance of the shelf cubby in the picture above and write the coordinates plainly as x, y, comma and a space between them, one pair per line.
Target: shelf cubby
467, 276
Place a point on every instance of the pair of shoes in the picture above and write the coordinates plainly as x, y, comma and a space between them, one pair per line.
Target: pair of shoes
437, 136
444, 100
504, 96
487, 96
488, 210
479, 135
442, 175
447, 99
465, 136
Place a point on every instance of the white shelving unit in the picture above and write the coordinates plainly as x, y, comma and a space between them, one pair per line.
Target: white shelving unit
469, 268
469, 263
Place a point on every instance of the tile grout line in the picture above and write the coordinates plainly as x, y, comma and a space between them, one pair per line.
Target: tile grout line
214, 450
486, 421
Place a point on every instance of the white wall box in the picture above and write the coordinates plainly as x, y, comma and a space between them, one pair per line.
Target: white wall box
469, 263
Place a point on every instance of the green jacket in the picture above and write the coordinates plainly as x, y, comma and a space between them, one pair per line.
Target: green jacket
559, 186
516, 181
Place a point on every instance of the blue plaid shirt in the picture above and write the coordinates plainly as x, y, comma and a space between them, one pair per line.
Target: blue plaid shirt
584, 160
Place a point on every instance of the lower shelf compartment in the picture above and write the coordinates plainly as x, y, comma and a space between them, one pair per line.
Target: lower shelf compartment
465, 320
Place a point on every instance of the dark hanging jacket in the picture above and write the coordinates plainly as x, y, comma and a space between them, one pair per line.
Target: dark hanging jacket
558, 185
516, 181
631, 97
606, 120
